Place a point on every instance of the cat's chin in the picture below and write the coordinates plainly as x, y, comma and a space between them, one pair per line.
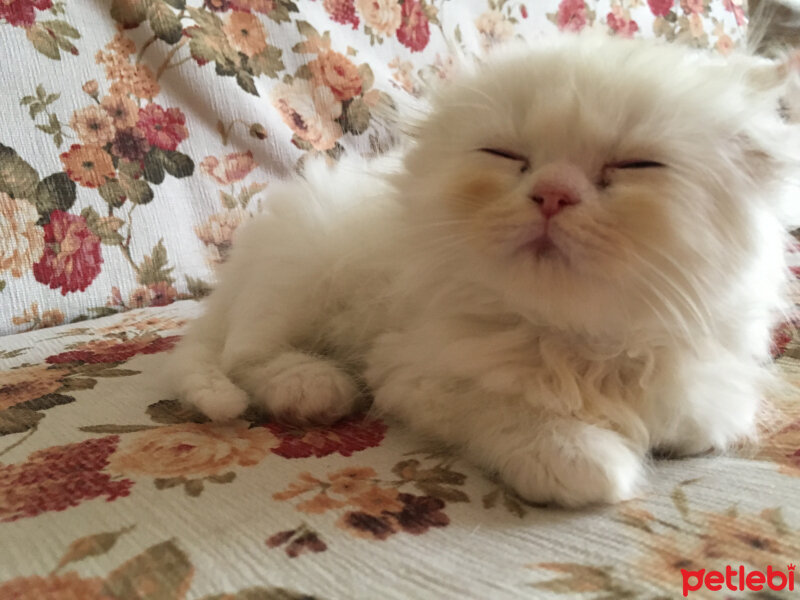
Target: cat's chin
542, 248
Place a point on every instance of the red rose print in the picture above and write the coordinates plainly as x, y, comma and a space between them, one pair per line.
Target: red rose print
345, 437
571, 15
163, 128
660, 8
20, 13
106, 351
71, 258
414, 31
342, 11
58, 478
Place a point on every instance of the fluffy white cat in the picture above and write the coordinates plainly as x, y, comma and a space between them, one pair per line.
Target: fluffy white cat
576, 259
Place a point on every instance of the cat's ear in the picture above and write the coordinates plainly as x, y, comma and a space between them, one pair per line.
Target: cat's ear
778, 78
769, 140
790, 98
773, 157
770, 158
765, 74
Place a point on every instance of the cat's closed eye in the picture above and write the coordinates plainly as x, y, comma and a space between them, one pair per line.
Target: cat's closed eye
634, 164
509, 155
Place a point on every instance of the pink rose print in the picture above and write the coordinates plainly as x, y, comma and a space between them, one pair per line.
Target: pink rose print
20, 13
232, 168
622, 26
571, 15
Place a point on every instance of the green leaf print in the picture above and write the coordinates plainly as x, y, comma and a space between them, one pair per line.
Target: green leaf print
129, 13
153, 169
357, 116
175, 163
136, 190
163, 568
17, 178
43, 42
111, 191
267, 62
165, 24
50, 37
154, 267
91, 545
55, 192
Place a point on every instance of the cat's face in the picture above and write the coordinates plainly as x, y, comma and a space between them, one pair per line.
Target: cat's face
613, 170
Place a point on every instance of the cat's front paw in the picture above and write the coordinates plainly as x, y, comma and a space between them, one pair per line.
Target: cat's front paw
694, 440
576, 466
213, 394
714, 431
303, 389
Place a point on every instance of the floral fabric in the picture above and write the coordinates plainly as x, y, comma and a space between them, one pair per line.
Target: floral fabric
137, 135
111, 489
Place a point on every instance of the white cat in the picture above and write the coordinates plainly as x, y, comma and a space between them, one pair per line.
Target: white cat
577, 259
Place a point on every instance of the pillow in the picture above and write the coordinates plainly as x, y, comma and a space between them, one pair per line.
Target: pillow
137, 135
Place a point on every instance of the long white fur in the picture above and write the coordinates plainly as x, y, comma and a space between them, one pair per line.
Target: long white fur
649, 330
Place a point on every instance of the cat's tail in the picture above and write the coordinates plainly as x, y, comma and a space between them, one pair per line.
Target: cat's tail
198, 379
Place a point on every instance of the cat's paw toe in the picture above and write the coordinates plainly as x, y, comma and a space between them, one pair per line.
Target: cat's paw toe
308, 390
597, 466
695, 438
218, 400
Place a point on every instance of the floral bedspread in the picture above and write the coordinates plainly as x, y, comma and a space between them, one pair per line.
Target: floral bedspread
136, 135
110, 489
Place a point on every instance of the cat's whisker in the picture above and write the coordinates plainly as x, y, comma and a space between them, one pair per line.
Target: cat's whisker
678, 295
667, 324
689, 293
692, 282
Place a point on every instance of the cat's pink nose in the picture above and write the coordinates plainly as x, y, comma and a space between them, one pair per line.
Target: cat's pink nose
552, 198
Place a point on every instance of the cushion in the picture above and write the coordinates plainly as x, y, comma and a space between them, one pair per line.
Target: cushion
138, 134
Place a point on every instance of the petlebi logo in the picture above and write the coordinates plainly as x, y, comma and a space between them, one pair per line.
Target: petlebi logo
738, 579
